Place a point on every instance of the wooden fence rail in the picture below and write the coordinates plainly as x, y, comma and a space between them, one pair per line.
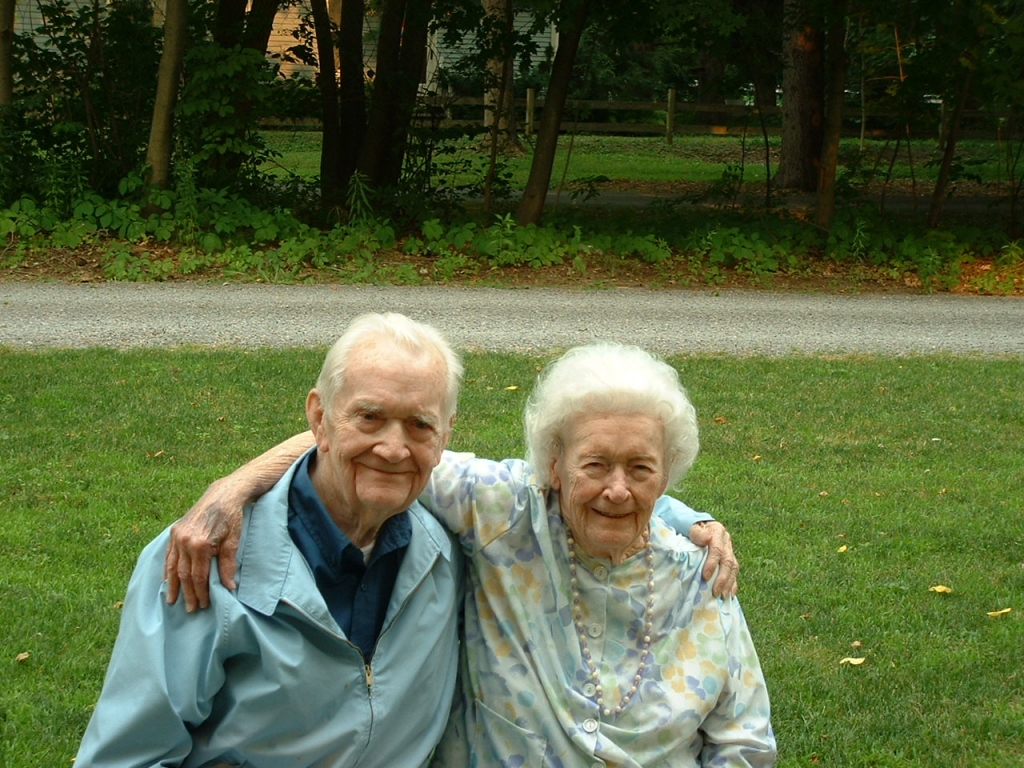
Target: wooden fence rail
677, 118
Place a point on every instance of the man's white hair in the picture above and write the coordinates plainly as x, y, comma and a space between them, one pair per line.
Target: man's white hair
608, 378
408, 335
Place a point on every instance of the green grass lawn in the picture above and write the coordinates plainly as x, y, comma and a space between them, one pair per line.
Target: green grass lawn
851, 485
690, 158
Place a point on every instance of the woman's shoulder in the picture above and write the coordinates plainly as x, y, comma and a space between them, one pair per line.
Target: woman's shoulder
665, 537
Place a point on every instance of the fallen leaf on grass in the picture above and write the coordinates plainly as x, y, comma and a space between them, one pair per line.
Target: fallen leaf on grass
842, 548
853, 661
22, 656
942, 589
1003, 612
513, 388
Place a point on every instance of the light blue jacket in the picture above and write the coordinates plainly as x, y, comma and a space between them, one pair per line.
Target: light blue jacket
265, 677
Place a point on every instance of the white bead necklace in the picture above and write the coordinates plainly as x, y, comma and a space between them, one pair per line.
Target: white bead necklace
645, 645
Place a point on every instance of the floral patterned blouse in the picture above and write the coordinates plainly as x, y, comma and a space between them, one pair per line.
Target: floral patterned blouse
527, 697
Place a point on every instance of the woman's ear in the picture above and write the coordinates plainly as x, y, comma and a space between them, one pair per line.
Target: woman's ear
554, 480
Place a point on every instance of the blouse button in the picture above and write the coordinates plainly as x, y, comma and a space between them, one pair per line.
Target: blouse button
594, 630
600, 572
589, 690
590, 725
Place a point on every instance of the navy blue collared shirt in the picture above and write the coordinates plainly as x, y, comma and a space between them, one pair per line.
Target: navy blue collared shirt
357, 593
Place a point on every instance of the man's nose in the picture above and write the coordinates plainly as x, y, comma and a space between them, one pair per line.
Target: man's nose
392, 445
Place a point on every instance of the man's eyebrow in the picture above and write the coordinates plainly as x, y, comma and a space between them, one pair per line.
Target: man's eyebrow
427, 418
365, 406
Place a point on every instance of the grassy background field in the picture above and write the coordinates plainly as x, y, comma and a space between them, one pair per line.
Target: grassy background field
851, 485
701, 159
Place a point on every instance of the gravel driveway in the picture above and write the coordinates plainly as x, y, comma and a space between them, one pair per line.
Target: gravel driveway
532, 320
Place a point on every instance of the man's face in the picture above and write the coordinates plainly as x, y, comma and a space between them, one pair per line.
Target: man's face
381, 438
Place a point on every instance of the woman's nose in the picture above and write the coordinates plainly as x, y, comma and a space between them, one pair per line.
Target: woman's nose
617, 491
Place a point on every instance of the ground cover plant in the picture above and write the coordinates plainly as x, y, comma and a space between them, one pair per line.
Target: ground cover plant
875, 503
706, 218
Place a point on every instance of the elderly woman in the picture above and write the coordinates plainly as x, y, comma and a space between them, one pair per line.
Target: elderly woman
591, 636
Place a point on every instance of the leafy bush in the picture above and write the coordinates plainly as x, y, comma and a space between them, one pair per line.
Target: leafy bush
85, 90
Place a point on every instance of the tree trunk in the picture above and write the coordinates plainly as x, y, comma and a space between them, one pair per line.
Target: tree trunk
802, 100
161, 131
6, 52
949, 151
229, 23
531, 205
353, 86
385, 91
331, 184
499, 98
709, 88
838, 63
412, 64
259, 24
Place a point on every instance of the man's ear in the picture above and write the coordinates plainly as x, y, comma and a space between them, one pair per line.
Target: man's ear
316, 417
445, 437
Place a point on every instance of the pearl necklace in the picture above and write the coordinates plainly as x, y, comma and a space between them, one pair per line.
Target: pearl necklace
645, 645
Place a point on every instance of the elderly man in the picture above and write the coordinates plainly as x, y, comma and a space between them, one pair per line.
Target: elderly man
339, 646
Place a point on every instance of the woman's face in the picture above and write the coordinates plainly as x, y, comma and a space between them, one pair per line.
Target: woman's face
608, 477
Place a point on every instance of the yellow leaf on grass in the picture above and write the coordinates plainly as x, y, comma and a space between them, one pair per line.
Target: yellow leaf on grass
513, 388
853, 661
842, 548
22, 656
942, 589
1000, 613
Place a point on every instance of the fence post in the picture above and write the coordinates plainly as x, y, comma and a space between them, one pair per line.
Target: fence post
670, 116
531, 103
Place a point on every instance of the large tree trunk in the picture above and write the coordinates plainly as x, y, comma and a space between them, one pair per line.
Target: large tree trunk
531, 205
353, 87
385, 91
161, 131
229, 23
6, 52
259, 24
412, 65
802, 99
952, 135
332, 186
838, 63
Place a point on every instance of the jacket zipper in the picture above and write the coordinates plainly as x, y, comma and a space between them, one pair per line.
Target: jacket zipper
366, 666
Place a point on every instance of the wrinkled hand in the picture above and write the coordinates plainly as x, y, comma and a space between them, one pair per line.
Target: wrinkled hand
212, 528
713, 535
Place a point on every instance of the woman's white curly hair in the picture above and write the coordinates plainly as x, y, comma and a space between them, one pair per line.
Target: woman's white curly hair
608, 378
